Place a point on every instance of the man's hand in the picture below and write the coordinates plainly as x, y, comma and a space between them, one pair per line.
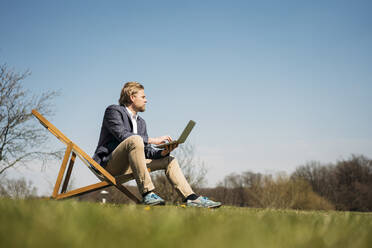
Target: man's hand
160, 140
168, 149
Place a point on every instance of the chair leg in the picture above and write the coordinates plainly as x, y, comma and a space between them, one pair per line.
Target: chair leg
127, 193
68, 173
62, 170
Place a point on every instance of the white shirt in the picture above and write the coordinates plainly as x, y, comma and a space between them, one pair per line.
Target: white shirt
134, 120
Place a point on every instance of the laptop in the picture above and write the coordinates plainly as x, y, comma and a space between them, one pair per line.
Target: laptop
183, 136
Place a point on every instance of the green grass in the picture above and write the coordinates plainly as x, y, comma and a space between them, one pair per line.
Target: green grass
47, 223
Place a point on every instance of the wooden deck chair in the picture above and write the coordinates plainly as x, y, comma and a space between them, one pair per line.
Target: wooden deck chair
72, 151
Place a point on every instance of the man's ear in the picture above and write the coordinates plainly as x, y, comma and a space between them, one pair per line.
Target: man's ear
132, 98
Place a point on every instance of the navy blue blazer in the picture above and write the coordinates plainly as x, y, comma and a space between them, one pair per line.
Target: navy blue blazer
116, 127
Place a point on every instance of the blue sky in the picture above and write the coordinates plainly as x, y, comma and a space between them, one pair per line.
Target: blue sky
271, 84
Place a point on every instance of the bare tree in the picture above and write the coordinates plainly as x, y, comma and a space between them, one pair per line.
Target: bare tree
17, 188
268, 191
321, 177
193, 168
347, 184
20, 134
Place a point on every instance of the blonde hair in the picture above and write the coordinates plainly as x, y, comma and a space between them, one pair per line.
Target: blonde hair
129, 89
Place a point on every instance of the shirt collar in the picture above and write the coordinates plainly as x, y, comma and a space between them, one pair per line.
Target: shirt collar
131, 114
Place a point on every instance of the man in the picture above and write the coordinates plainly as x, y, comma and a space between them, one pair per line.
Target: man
124, 147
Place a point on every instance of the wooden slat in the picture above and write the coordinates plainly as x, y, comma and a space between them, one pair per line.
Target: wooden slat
104, 172
83, 190
62, 170
55, 131
97, 174
68, 173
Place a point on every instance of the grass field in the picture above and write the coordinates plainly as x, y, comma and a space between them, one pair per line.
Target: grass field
47, 223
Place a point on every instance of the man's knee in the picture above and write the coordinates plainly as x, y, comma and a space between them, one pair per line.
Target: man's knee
172, 162
135, 140
172, 159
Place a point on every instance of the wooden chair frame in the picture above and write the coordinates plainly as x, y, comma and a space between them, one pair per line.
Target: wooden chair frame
72, 151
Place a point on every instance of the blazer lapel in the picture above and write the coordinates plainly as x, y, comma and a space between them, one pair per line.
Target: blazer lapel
128, 115
139, 120
125, 110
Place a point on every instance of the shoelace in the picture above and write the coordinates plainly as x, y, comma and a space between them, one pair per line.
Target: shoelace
204, 199
154, 196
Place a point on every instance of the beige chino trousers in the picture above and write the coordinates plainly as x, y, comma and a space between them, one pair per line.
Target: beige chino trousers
129, 157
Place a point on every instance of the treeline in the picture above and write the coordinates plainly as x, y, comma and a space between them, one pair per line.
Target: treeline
267, 191
345, 185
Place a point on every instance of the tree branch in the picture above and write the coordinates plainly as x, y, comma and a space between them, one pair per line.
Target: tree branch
17, 135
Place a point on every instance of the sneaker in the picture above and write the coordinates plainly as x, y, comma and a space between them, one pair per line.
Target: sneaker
153, 199
203, 202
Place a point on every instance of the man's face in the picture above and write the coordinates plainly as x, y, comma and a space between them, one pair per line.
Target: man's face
139, 101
